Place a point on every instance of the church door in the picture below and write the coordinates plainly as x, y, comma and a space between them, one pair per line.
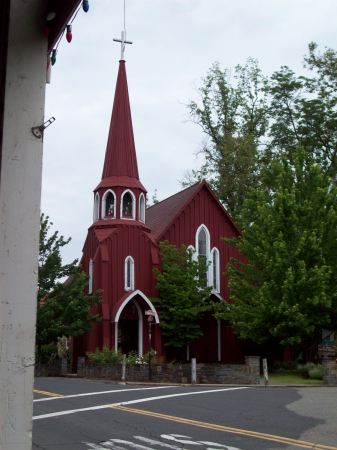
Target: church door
128, 336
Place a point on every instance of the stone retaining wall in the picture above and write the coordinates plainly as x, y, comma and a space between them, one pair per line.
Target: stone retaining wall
248, 373
54, 369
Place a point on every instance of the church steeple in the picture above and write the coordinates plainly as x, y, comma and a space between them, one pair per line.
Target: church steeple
120, 156
120, 195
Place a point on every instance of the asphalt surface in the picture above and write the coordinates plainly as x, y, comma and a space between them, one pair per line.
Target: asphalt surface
78, 414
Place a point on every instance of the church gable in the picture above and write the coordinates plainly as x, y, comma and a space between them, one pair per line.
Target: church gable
177, 218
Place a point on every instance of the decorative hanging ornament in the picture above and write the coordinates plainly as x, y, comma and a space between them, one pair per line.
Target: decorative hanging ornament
69, 34
53, 56
85, 5
50, 16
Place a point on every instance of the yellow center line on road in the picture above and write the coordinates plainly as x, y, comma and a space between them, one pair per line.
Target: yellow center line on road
217, 427
47, 393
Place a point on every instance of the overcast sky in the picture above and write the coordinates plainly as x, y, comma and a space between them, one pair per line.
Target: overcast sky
174, 44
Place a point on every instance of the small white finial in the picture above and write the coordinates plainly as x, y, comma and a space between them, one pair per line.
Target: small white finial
123, 40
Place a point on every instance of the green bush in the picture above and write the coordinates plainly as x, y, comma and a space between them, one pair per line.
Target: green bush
310, 370
104, 356
132, 358
46, 353
146, 357
316, 373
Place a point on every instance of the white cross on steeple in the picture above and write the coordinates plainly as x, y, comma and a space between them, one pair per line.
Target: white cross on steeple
123, 41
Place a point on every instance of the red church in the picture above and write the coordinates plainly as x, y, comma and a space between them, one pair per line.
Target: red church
122, 248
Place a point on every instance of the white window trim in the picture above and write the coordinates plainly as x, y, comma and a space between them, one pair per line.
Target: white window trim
103, 205
91, 276
96, 207
132, 274
133, 206
141, 209
208, 244
216, 288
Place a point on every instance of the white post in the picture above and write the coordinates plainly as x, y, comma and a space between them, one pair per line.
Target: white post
193, 370
265, 371
123, 369
20, 192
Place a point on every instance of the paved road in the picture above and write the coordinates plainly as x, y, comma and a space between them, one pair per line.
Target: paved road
78, 414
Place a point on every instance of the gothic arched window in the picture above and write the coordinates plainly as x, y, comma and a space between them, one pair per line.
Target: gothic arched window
128, 205
203, 251
129, 274
202, 242
142, 208
215, 269
96, 207
109, 205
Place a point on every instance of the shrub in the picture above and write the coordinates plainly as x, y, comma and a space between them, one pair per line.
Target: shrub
153, 357
104, 356
310, 370
316, 373
132, 358
46, 353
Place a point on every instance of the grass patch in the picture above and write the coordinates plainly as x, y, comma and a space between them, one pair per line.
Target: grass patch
291, 378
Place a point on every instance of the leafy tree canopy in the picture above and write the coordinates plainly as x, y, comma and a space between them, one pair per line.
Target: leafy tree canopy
232, 114
285, 290
183, 295
63, 307
248, 119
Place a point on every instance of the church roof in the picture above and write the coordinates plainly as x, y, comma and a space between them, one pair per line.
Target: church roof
162, 214
120, 156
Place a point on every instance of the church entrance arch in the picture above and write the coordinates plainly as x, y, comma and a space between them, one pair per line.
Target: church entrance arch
130, 328
129, 322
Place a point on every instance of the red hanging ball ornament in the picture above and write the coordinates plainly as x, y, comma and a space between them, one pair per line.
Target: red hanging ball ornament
69, 34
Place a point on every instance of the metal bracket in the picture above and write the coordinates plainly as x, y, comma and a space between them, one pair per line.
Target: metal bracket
38, 131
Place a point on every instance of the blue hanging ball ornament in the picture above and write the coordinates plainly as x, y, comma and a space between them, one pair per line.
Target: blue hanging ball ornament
85, 5
53, 57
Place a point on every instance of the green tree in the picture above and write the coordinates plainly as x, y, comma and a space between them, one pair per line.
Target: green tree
284, 289
51, 269
303, 110
249, 119
63, 307
183, 296
233, 115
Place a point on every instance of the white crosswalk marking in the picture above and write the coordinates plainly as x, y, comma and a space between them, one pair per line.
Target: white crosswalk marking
179, 438
129, 444
159, 443
216, 446
117, 444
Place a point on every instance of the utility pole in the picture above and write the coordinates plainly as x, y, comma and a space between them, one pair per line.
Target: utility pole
22, 96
